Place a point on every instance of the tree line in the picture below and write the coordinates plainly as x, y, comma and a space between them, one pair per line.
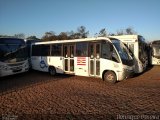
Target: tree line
81, 32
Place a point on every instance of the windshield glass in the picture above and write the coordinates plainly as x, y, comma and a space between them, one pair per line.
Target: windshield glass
12, 50
123, 52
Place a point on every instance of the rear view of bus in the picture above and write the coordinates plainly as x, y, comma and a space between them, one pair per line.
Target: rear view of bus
155, 52
13, 56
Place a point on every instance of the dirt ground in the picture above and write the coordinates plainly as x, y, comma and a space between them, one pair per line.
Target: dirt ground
37, 95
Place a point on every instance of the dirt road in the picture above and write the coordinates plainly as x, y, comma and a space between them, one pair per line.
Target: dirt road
37, 95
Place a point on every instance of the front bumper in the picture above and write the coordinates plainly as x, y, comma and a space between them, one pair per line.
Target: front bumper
126, 74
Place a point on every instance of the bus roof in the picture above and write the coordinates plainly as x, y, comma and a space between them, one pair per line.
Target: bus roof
155, 42
126, 38
73, 40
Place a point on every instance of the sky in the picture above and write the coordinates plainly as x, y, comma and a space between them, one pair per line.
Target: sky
35, 17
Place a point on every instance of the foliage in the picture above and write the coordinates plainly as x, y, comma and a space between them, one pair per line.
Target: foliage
81, 32
130, 31
103, 33
32, 38
127, 31
20, 35
63, 36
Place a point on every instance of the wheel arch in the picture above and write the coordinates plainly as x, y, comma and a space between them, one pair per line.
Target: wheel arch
52, 67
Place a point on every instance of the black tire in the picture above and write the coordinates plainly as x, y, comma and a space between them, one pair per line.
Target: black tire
110, 77
52, 71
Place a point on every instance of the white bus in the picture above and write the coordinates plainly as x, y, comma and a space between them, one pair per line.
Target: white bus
97, 57
13, 56
155, 52
138, 47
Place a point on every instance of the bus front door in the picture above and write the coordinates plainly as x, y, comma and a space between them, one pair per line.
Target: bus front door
68, 53
94, 59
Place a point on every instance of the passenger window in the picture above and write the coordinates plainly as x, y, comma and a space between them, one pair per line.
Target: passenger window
45, 50
91, 50
71, 51
40, 50
106, 50
81, 49
65, 53
56, 50
97, 50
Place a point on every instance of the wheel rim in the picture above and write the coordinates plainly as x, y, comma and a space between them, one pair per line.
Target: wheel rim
52, 71
110, 77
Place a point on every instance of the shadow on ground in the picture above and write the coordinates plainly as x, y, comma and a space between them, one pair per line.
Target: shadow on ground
28, 79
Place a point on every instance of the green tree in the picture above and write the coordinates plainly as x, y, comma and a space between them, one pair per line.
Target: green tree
81, 32
103, 33
20, 35
32, 38
120, 32
71, 35
127, 31
130, 31
63, 36
49, 36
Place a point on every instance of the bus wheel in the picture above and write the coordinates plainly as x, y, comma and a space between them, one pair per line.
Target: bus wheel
52, 71
110, 76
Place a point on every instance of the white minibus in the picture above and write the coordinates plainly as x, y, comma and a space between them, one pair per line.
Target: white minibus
96, 57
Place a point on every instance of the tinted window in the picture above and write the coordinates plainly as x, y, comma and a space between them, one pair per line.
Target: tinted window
40, 50
106, 50
81, 49
56, 50
45, 50
36, 50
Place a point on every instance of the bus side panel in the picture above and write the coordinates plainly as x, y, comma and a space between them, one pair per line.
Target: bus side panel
56, 62
39, 63
111, 66
81, 66
155, 61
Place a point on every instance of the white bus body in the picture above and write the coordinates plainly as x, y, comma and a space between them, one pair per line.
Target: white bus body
13, 56
155, 52
96, 57
138, 48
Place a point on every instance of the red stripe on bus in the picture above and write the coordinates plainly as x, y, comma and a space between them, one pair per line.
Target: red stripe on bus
81, 64
81, 58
